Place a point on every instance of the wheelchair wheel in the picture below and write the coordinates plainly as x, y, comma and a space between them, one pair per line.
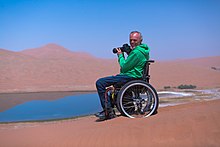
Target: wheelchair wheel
137, 99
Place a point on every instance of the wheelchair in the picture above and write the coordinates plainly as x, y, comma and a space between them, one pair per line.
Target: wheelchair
136, 98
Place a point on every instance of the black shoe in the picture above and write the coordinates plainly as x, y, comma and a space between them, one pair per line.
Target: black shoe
103, 115
111, 114
99, 113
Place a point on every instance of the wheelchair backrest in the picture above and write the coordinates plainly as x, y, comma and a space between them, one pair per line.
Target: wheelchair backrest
146, 76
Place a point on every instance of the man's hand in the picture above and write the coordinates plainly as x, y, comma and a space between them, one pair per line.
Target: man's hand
118, 51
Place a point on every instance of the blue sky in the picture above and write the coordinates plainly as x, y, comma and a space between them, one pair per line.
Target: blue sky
173, 29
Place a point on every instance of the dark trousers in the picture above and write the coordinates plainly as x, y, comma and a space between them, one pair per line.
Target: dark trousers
102, 83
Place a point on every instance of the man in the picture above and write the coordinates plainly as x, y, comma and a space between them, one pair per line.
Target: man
131, 68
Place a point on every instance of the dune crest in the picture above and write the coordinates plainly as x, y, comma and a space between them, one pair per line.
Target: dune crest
55, 68
54, 51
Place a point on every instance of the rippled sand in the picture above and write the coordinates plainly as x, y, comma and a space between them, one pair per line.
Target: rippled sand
192, 124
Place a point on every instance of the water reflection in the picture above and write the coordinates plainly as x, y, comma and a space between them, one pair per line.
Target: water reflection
10, 100
58, 105
44, 106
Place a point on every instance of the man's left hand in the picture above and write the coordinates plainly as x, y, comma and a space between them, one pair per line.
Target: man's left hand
118, 51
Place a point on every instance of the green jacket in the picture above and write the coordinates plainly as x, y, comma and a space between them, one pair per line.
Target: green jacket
134, 64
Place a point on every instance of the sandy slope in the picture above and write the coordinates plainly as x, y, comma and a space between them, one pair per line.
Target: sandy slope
191, 125
55, 68
197, 72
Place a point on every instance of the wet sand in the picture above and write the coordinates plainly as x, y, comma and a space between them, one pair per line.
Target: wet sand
193, 124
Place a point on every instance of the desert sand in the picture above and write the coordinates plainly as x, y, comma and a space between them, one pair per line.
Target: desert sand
55, 68
191, 125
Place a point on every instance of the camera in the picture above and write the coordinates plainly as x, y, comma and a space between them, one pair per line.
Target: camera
125, 48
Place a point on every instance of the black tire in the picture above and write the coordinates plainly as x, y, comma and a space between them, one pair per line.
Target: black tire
137, 99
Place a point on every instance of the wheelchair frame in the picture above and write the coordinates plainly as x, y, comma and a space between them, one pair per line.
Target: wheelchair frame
136, 98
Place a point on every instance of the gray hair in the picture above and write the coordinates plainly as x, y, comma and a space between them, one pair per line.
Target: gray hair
138, 33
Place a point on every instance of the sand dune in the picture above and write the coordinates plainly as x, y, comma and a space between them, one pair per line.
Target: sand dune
55, 68
197, 72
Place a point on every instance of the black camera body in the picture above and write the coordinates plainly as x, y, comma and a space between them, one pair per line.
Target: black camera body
125, 48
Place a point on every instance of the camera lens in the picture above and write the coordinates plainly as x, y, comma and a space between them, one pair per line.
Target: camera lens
114, 50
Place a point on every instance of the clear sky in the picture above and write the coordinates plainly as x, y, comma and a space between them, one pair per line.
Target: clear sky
173, 29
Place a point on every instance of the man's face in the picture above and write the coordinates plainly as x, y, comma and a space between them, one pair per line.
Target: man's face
135, 40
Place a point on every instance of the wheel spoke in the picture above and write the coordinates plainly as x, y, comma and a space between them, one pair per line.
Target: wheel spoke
138, 99
127, 103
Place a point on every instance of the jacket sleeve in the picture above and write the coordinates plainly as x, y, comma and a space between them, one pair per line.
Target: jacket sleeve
129, 63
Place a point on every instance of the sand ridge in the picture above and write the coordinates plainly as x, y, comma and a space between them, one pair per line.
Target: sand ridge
55, 68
